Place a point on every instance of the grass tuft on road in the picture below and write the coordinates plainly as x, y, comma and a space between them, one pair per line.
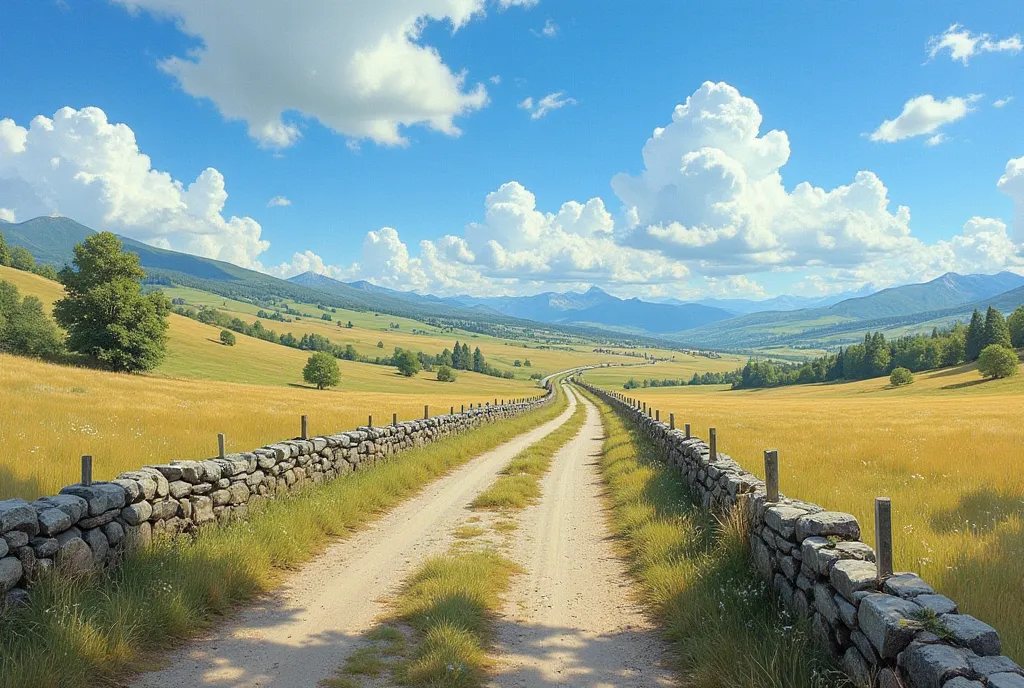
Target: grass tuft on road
696, 577
75, 633
519, 485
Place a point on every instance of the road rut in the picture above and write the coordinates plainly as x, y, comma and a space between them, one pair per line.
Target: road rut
570, 619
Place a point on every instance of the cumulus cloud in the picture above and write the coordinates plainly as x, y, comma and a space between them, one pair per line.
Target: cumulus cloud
549, 30
962, 45
360, 69
496, 79
1002, 102
278, 202
80, 165
924, 115
7, 215
1012, 184
552, 101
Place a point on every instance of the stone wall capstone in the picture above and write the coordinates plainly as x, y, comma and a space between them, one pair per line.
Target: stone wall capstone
86, 526
892, 632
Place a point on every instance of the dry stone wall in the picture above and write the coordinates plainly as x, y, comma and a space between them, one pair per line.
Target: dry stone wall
892, 632
86, 526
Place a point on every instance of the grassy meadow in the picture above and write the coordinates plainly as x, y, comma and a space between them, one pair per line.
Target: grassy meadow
253, 392
948, 450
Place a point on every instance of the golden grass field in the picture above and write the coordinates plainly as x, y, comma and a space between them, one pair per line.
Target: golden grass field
948, 450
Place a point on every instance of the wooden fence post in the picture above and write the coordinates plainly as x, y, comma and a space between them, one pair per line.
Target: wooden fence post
687, 431
771, 474
305, 427
713, 442
369, 421
87, 470
426, 412
220, 445
657, 415
394, 419
671, 421
883, 536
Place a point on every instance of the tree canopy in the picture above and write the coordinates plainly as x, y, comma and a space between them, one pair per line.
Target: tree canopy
322, 370
105, 313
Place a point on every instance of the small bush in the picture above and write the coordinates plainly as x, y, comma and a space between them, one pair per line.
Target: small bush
22, 259
997, 361
322, 370
445, 374
900, 377
227, 337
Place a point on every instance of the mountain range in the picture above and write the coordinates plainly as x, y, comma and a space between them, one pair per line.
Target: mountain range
711, 323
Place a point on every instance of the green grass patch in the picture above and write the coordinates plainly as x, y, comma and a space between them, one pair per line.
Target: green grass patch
519, 484
694, 574
449, 601
75, 633
467, 532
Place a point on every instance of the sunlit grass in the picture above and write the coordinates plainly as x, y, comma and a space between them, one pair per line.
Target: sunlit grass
694, 575
519, 484
948, 450
74, 633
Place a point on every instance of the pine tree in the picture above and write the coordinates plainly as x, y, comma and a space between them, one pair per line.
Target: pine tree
478, 361
996, 330
975, 337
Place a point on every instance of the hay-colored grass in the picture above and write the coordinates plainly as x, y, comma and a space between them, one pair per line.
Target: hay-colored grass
948, 450
54, 414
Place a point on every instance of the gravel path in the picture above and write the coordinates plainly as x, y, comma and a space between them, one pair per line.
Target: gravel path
570, 619
302, 632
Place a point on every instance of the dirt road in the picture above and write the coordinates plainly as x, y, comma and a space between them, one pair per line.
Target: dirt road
304, 631
569, 620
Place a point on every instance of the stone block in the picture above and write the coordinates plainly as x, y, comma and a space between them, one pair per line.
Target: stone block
171, 473
906, 585
847, 612
179, 489
164, 509
137, 513
73, 506
961, 682
98, 543
857, 668
11, 572
970, 632
73, 555
940, 604
782, 519
191, 471
132, 489
930, 666
993, 665
138, 537
887, 622
114, 532
52, 521
238, 493
97, 521
15, 539
44, 546
849, 576
825, 523
100, 497
1005, 680
17, 514
202, 509
825, 604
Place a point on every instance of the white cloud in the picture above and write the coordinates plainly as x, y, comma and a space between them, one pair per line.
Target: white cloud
360, 69
924, 115
80, 165
963, 45
278, 202
552, 101
7, 215
936, 139
1002, 102
550, 30
496, 79
1012, 184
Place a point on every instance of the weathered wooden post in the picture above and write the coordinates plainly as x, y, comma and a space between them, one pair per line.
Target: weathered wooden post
394, 419
305, 427
657, 415
687, 431
87, 470
220, 445
451, 411
645, 407
883, 536
771, 474
713, 444
671, 421
463, 410
426, 412
369, 421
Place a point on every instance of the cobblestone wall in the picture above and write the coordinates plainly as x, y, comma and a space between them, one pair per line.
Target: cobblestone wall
85, 526
892, 632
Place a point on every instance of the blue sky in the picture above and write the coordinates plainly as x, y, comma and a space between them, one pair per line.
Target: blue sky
489, 197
